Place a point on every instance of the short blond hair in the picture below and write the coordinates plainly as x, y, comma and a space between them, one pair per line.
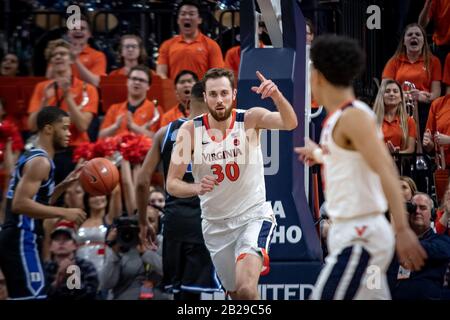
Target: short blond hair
52, 45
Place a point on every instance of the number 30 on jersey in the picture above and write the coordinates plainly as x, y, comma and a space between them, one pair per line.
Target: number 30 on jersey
231, 171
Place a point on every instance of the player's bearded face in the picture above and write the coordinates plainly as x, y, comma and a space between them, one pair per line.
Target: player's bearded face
219, 96
220, 112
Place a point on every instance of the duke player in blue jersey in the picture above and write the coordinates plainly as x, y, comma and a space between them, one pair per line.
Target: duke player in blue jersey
30, 190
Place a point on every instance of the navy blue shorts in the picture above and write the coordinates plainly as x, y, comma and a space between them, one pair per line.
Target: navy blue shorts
20, 262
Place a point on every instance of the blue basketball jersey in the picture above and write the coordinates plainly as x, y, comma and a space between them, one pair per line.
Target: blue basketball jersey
22, 220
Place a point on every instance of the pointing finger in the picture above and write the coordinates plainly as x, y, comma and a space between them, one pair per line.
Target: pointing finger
260, 76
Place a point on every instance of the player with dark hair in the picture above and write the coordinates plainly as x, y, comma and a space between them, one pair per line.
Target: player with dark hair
31, 187
360, 182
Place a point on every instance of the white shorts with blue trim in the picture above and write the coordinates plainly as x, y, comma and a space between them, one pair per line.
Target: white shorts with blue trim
227, 240
360, 251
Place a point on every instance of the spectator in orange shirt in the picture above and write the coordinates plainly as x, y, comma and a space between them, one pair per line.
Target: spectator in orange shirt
79, 99
89, 64
183, 85
132, 53
438, 11
191, 49
137, 114
233, 59
414, 62
446, 74
399, 129
438, 127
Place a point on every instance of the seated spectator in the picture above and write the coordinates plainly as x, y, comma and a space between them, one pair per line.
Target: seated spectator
9, 66
446, 74
399, 129
137, 114
438, 12
438, 127
79, 99
409, 187
3, 288
132, 53
58, 277
90, 64
183, 85
442, 221
428, 282
191, 49
73, 198
414, 62
157, 198
132, 272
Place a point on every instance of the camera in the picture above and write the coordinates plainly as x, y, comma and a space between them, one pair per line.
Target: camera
411, 207
127, 232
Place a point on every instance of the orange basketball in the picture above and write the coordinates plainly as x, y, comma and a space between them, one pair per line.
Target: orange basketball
99, 177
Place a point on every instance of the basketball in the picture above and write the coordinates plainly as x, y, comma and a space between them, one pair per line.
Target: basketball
99, 177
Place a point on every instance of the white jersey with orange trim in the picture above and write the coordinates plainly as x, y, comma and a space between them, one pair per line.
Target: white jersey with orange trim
237, 164
352, 188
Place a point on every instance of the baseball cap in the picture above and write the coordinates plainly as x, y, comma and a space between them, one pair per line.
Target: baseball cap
66, 227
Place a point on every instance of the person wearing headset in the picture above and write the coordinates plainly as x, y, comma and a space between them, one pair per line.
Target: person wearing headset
427, 283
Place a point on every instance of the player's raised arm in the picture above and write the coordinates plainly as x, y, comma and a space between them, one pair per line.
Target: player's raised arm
260, 118
359, 128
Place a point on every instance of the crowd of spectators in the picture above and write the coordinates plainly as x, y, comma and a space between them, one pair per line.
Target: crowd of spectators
74, 74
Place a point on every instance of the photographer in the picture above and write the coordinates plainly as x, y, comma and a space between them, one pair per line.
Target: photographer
129, 270
427, 283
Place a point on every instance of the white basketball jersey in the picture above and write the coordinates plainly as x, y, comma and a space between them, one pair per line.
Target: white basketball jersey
237, 164
352, 189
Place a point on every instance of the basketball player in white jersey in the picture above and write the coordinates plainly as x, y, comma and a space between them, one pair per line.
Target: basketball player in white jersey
228, 170
361, 182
